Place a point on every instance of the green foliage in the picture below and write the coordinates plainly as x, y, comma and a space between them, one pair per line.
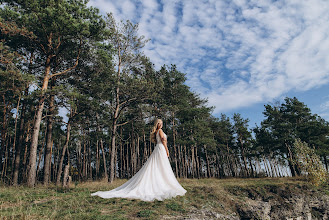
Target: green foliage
12, 80
125, 42
283, 124
56, 31
223, 131
309, 162
145, 213
175, 207
243, 134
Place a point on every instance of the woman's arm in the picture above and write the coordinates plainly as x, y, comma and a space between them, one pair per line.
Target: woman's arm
164, 141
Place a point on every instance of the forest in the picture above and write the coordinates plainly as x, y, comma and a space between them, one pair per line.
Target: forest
78, 98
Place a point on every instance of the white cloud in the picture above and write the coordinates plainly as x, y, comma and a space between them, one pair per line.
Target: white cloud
325, 106
324, 110
105, 6
238, 52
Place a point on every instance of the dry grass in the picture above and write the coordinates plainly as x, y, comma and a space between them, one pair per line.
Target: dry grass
76, 203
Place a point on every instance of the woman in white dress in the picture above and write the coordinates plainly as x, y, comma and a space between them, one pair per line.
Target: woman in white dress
155, 180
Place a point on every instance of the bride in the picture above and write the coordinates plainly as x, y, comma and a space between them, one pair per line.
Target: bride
155, 180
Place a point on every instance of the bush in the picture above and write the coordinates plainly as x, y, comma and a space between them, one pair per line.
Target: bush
308, 161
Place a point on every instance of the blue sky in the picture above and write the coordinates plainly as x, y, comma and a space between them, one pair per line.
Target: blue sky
239, 54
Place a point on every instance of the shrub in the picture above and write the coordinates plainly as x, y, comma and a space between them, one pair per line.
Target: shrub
308, 161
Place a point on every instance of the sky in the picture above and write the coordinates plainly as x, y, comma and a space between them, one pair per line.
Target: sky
238, 54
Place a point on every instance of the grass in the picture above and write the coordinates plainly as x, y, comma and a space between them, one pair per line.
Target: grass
218, 195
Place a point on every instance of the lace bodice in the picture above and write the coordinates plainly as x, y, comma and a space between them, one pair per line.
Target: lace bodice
159, 138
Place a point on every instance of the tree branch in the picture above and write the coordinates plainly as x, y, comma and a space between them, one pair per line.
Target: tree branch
59, 43
69, 69
45, 116
130, 121
127, 101
130, 100
125, 122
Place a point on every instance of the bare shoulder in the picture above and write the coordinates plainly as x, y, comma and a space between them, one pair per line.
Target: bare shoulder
161, 132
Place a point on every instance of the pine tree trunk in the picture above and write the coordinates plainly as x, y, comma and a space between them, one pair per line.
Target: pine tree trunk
97, 159
150, 149
174, 144
208, 164
269, 174
181, 162
325, 162
90, 167
244, 158
47, 161
218, 172
79, 160
124, 162
198, 162
135, 156
19, 143
131, 158
60, 165
84, 162
145, 148
230, 161
186, 161
277, 167
193, 161
121, 160
25, 154
133, 150
40, 155
272, 168
5, 163
291, 166
237, 164
14, 148
115, 119
259, 166
66, 176
104, 161
98, 149
114, 129
138, 161
56, 160
3, 134
36, 128
251, 167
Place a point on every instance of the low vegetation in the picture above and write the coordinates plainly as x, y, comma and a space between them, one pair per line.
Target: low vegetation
310, 163
222, 196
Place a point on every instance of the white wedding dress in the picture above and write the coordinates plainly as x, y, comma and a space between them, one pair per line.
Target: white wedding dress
154, 181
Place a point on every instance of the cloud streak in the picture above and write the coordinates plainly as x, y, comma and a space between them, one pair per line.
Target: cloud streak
235, 53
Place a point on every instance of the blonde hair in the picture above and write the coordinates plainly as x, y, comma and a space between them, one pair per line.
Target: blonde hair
155, 130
